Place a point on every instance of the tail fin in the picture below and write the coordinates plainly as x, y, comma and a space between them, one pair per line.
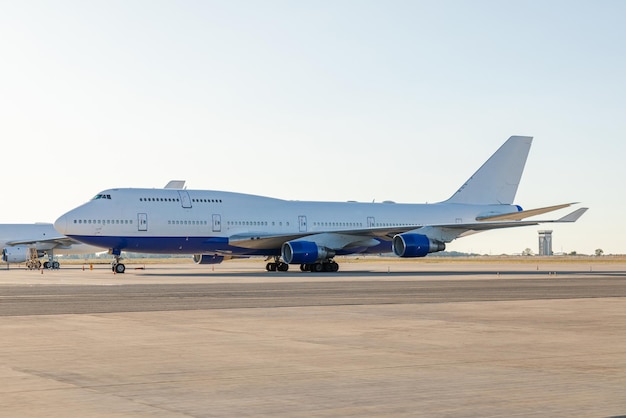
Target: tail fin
497, 180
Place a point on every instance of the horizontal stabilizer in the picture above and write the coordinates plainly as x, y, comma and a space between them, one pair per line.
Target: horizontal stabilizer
516, 216
573, 217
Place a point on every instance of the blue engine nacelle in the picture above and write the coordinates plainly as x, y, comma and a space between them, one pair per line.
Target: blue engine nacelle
207, 258
305, 252
415, 245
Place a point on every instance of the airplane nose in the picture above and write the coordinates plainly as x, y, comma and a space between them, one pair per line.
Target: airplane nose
61, 224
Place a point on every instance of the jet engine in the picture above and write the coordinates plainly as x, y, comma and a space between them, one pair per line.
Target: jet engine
305, 252
18, 254
207, 258
415, 245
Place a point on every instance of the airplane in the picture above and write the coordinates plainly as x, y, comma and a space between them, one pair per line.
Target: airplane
215, 226
27, 243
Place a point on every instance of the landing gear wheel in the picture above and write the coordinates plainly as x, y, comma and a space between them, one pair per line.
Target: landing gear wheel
277, 266
119, 268
326, 266
331, 266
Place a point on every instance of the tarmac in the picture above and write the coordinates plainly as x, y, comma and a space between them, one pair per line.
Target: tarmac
378, 338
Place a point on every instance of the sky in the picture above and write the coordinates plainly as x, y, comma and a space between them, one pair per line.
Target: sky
318, 100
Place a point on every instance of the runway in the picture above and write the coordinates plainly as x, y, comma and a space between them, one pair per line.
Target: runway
88, 299
371, 340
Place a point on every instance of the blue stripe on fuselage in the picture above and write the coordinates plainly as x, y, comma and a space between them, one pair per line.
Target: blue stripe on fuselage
170, 245
199, 245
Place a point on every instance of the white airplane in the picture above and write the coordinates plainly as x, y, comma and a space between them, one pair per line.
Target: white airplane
27, 243
216, 225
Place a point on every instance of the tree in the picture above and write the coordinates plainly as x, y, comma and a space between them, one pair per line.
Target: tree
527, 251
599, 252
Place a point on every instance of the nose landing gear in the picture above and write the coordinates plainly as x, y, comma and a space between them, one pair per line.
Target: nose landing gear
116, 265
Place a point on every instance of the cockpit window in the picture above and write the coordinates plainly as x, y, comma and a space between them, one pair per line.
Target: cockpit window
101, 196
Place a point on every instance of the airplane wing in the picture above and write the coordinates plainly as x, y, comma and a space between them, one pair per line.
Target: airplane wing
441, 232
261, 242
516, 216
447, 233
48, 243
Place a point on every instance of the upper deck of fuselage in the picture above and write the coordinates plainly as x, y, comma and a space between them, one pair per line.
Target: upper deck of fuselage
173, 195
120, 200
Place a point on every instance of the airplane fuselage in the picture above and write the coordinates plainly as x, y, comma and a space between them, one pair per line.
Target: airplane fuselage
196, 221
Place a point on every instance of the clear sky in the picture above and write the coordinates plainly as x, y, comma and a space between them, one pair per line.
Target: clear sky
319, 100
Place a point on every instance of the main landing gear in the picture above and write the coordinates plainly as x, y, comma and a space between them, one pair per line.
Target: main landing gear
277, 265
324, 266
33, 262
51, 263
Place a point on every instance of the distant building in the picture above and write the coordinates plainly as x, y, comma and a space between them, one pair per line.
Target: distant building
545, 242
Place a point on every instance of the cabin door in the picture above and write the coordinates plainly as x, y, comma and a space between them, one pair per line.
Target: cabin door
217, 223
142, 221
302, 223
185, 201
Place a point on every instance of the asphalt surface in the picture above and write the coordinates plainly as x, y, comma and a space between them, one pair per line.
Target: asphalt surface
85, 299
375, 339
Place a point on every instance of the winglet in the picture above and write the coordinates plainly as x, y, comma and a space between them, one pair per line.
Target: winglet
573, 217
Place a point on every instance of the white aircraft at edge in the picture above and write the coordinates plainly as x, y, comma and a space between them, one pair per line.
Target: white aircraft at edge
216, 225
27, 243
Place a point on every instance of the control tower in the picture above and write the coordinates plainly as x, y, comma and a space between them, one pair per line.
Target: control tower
545, 242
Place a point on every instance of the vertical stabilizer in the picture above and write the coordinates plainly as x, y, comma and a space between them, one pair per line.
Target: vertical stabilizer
497, 180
